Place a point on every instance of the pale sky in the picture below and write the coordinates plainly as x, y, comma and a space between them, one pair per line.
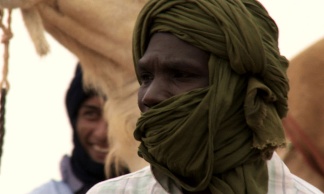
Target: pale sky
37, 129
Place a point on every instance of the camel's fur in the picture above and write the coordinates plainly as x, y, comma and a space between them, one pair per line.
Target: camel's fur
100, 36
306, 107
99, 33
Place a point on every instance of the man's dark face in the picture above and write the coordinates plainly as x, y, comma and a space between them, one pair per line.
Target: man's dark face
170, 67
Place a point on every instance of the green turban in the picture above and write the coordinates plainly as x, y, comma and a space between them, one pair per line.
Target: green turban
217, 137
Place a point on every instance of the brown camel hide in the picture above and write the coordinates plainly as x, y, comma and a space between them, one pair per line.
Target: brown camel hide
100, 36
305, 121
99, 33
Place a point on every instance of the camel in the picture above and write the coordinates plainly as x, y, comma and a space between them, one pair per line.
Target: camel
100, 36
304, 124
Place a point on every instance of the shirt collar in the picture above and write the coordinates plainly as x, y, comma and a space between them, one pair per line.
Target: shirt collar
167, 183
68, 176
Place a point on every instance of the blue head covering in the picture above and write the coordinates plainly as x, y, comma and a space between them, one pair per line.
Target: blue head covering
84, 168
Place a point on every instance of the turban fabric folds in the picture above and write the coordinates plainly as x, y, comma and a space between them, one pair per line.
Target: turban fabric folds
217, 137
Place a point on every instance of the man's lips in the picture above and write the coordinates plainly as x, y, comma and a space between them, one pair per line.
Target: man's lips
100, 149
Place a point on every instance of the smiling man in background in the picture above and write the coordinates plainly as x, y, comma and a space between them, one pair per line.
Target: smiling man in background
85, 166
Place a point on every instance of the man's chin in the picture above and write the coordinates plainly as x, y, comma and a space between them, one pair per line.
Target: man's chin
99, 157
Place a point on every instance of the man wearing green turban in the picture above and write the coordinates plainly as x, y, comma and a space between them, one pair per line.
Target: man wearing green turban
213, 93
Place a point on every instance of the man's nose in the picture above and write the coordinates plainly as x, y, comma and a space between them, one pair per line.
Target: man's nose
157, 92
101, 130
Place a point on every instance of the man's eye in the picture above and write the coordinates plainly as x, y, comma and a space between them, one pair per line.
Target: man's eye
91, 115
180, 74
146, 78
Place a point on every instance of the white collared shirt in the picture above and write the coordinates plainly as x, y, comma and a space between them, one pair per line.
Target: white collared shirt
281, 181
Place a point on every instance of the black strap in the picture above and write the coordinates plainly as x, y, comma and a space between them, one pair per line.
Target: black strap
3, 95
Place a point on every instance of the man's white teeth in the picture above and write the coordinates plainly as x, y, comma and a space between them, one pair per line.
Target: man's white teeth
100, 149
